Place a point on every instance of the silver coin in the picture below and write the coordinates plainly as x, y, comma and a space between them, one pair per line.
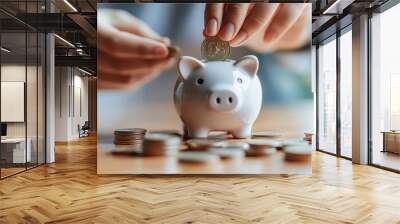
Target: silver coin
227, 153
197, 157
264, 143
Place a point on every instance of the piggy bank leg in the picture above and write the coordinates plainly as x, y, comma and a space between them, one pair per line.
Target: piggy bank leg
244, 132
185, 131
198, 133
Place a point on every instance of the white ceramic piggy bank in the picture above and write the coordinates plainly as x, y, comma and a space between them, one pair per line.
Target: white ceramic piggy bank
218, 96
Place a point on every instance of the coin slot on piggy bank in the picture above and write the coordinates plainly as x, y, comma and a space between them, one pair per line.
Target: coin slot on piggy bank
218, 95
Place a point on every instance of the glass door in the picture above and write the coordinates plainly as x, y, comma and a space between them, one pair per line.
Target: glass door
327, 96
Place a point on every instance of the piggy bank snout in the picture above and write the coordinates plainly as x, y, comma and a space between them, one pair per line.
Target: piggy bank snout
224, 100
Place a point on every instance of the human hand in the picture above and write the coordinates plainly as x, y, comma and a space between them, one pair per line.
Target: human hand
129, 52
260, 26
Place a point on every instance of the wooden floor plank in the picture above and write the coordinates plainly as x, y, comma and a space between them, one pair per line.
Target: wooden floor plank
70, 191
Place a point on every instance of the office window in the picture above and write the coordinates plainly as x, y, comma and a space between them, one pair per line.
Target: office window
346, 94
327, 96
385, 87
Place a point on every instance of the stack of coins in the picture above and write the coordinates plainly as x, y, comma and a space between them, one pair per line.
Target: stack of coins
129, 136
262, 147
158, 144
298, 153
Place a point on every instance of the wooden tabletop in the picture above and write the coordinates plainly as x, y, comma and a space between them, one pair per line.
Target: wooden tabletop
291, 121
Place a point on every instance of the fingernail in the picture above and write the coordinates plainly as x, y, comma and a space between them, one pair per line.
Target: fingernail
158, 50
166, 40
227, 32
271, 36
242, 35
211, 27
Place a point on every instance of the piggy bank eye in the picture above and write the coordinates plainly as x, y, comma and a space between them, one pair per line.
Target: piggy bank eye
200, 81
239, 80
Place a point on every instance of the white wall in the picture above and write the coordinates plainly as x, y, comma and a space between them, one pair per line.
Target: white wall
70, 83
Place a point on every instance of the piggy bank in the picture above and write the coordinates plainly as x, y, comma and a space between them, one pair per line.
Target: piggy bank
218, 96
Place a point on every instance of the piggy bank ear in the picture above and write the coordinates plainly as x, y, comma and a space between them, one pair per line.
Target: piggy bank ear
249, 64
186, 65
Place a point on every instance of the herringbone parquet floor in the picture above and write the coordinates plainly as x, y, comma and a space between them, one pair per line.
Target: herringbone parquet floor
69, 191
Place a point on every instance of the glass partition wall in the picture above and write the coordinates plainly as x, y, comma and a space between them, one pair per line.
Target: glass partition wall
334, 108
22, 98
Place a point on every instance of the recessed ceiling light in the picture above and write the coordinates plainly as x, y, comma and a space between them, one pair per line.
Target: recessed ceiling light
70, 5
5, 50
84, 71
65, 41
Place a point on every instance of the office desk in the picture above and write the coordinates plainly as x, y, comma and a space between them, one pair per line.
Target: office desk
391, 141
13, 150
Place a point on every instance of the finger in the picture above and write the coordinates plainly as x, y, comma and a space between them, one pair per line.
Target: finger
258, 17
124, 44
285, 17
127, 66
234, 15
110, 80
125, 21
212, 18
299, 33
150, 76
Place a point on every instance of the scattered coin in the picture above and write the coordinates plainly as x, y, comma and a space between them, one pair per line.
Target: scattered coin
161, 145
201, 144
293, 142
262, 147
261, 152
264, 143
227, 153
298, 153
197, 157
266, 134
233, 145
215, 49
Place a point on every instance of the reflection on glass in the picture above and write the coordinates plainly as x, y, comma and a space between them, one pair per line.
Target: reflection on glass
31, 99
41, 99
15, 151
346, 94
386, 89
327, 96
